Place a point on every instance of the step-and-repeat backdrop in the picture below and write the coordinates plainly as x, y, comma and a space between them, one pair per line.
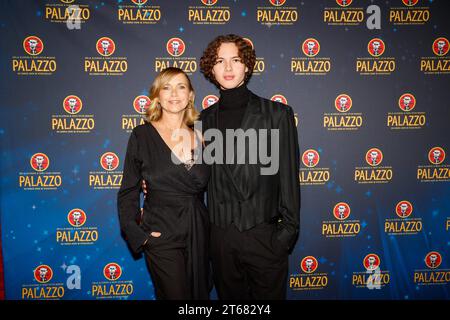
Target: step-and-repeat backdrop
369, 84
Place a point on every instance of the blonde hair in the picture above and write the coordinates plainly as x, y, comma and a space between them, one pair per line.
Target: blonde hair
154, 112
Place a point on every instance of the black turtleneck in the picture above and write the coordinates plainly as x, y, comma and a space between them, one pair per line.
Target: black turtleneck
232, 105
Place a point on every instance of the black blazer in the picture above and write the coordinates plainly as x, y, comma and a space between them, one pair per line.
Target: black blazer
241, 195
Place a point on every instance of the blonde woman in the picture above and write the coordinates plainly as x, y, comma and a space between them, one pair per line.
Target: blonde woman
174, 227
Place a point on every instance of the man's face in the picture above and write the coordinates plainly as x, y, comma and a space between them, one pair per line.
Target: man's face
229, 70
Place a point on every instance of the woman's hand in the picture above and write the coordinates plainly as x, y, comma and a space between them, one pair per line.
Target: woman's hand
144, 188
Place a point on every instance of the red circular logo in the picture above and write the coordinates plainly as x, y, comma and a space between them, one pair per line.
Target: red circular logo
410, 3
310, 47
175, 47
33, 45
277, 3
39, 162
344, 3
112, 271
209, 100
139, 2
403, 209
436, 155
105, 46
341, 211
209, 2
109, 161
371, 262
440, 46
141, 104
279, 98
374, 157
72, 104
376, 47
433, 259
309, 264
76, 217
310, 158
407, 102
43, 273
343, 102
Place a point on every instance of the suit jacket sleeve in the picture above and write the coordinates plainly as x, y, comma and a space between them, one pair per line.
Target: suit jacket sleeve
128, 197
289, 200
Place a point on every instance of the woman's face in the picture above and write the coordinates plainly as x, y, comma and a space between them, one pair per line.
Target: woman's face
174, 96
229, 69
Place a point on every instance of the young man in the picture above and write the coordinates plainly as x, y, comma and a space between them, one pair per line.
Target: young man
254, 217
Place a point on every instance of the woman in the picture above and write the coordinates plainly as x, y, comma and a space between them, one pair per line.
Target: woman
174, 227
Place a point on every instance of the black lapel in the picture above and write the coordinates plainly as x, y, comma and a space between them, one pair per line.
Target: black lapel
252, 113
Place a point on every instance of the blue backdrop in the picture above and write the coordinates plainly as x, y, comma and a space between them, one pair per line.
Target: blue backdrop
371, 53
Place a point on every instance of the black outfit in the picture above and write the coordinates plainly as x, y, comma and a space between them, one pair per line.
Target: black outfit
178, 259
232, 105
254, 218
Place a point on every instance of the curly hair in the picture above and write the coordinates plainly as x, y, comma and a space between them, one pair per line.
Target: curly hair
209, 57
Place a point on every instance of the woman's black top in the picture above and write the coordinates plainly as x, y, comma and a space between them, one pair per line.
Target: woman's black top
173, 205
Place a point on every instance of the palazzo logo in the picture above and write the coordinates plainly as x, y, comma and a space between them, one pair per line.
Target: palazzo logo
105, 64
176, 47
43, 288
112, 288
33, 64
343, 120
78, 233
72, 121
409, 13
439, 63
313, 175
208, 13
109, 178
404, 224
373, 277
277, 13
138, 12
341, 227
376, 65
140, 105
407, 118
374, 173
311, 65
433, 275
40, 178
436, 171
343, 15
308, 279
67, 12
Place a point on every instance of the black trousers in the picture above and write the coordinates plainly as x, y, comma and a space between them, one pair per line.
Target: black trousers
248, 265
169, 273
